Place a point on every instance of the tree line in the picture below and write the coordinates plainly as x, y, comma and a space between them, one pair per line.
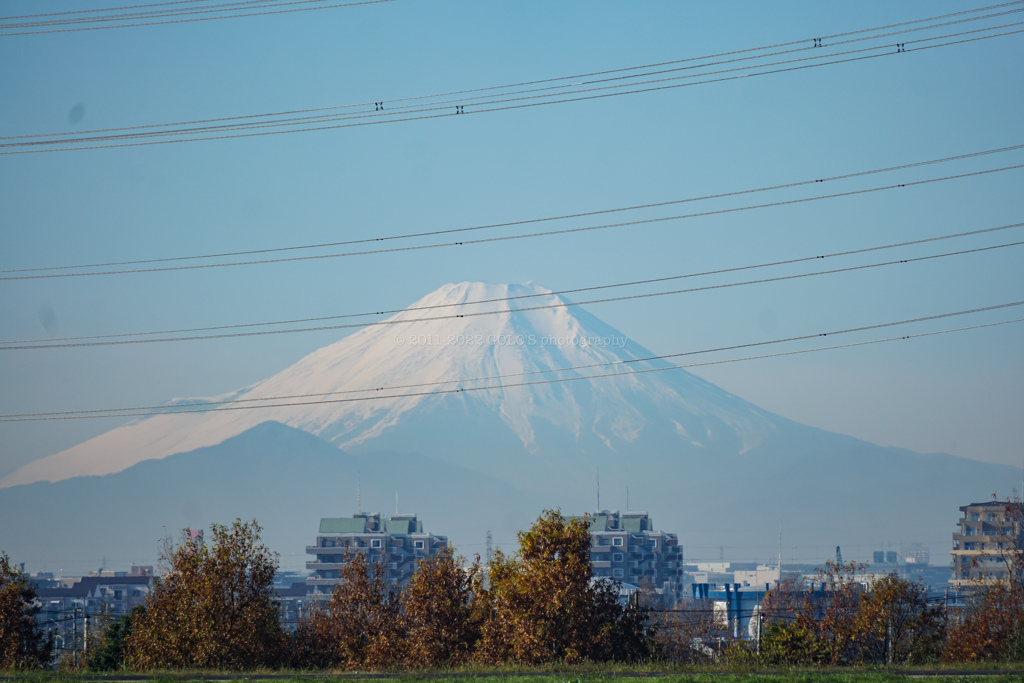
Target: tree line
216, 608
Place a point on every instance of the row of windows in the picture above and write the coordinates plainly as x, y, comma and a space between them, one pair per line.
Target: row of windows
989, 517
618, 540
374, 543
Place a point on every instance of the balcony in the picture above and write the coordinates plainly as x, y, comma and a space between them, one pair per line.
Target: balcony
313, 566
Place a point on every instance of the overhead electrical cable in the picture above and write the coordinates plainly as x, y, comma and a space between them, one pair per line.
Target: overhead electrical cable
171, 409
141, 12
395, 106
104, 9
138, 13
190, 13
504, 103
170, 8
440, 112
518, 297
374, 393
473, 314
528, 221
390, 102
487, 240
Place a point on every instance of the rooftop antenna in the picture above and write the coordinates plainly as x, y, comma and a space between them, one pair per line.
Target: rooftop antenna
599, 490
396, 501
627, 499
359, 493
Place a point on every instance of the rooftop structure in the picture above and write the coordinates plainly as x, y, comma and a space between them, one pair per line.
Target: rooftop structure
398, 542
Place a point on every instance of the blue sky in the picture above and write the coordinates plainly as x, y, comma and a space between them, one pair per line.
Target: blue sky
960, 393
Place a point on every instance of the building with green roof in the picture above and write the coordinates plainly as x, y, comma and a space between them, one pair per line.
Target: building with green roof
398, 542
624, 546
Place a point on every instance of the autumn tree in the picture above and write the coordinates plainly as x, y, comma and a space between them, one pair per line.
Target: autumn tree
361, 627
543, 606
831, 619
781, 642
23, 645
896, 624
216, 608
443, 620
690, 633
992, 628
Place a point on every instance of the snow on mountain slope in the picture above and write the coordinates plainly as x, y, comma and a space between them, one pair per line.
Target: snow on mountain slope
359, 391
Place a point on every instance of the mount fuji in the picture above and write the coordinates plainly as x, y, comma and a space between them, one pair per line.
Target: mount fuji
440, 343
484, 404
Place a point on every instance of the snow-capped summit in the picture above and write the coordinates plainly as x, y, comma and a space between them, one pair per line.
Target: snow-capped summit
460, 371
456, 402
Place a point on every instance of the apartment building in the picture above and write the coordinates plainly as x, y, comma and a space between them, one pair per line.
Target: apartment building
398, 542
984, 537
625, 547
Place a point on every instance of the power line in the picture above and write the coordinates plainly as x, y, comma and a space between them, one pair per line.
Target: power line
529, 221
375, 395
57, 343
564, 231
533, 220
508, 103
182, 21
817, 46
75, 17
378, 106
107, 9
575, 290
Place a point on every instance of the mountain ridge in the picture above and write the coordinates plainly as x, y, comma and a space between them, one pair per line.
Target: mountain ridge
427, 353
707, 464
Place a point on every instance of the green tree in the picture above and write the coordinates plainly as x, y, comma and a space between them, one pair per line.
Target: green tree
110, 654
543, 607
789, 644
23, 645
216, 608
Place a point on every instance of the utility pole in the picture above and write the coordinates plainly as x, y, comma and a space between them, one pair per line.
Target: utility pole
780, 551
74, 635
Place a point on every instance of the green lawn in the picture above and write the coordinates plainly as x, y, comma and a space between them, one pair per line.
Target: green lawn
950, 675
